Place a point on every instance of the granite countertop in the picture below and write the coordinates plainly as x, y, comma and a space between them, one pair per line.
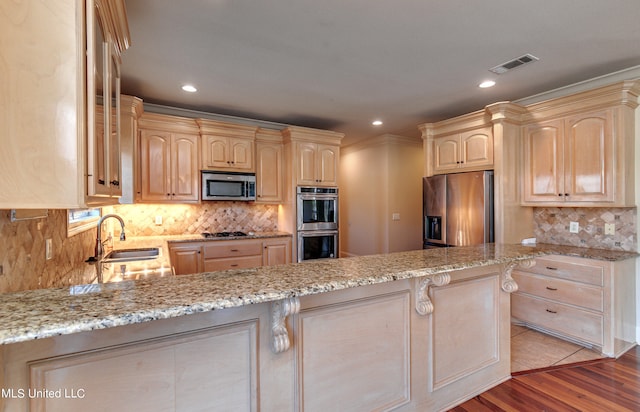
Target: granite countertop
44, 313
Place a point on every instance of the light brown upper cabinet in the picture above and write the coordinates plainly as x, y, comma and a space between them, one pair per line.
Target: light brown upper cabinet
578, 150
60, 147
168, 159
314, 156
317, 164
461, 144
570, 160
227, 146
469, 150
269, 166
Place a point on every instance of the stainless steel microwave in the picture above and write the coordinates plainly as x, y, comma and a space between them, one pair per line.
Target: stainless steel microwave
228, 186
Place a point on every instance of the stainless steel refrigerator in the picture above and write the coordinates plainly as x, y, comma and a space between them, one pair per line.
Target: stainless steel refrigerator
458, 209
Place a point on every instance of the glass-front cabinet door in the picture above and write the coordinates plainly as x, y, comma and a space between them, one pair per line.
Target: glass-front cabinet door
103, 102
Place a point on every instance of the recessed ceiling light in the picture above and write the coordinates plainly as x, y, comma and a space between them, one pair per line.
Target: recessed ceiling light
189, 88
377, 122
487, 83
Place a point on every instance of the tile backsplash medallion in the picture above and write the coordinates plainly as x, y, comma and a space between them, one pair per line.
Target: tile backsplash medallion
551, 225
22, 243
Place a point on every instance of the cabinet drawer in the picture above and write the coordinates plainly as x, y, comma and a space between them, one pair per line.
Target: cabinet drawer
570, 321
212, 265
587, 273
563, 291
225, 249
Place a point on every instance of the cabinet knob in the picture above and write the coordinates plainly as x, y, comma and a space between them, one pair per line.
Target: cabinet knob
100, 181
115, 183
566, 194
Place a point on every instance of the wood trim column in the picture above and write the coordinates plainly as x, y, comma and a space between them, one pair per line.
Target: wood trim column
512, 221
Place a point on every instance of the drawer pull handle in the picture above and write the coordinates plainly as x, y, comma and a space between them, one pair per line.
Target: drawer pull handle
551, 311
234, 250
234, 265
551, 268
550, 288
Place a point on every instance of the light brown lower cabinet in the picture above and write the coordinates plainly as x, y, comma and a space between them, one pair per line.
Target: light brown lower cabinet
196, 257
587, 301
407, 345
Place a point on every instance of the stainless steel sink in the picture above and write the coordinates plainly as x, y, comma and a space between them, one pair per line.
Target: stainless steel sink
127, 255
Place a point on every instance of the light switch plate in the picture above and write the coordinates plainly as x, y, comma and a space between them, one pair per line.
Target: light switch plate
574, 227
159, 220
395, 216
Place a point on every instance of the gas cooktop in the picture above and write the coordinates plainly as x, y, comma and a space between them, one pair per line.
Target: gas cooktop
223, 234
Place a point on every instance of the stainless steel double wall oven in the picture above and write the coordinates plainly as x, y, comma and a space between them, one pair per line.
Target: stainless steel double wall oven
317, 222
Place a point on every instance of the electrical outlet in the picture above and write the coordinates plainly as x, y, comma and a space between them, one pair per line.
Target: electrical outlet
574, 227
609, 228
158, 220
395, 216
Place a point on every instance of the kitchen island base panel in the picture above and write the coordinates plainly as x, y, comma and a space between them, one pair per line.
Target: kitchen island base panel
365, 344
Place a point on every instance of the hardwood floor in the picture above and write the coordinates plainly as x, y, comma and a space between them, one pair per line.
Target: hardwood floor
600, 385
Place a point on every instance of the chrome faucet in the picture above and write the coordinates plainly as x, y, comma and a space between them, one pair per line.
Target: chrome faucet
99, 248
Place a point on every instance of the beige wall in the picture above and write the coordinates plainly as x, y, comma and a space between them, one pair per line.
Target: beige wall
377, 180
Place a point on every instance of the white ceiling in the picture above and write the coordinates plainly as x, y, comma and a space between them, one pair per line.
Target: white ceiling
339, 64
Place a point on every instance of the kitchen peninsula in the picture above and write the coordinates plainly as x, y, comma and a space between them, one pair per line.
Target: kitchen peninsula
419, 330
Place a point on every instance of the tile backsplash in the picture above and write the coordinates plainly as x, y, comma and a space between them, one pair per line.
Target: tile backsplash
22, 253
551, 225
22, 244
140, 220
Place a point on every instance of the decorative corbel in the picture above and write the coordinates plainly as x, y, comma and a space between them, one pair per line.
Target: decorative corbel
280, 309
424, 306
508, 284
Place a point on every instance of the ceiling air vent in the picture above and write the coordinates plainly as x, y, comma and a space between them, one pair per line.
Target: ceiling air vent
504, 67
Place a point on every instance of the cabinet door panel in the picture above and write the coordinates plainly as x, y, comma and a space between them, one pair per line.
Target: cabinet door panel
446, 153
453, 329
186, 260
185, 171
477, 149
327, 172
343, 343
588, 165
215, 152
155, 164
306, 164
276, 252
543, 163
269, 172
241, 154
